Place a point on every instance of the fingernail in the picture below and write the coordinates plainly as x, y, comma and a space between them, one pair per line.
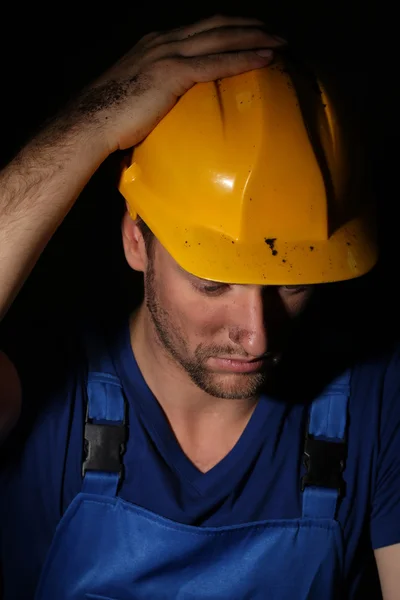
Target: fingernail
265, 52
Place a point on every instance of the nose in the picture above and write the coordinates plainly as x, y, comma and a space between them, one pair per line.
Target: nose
248, 327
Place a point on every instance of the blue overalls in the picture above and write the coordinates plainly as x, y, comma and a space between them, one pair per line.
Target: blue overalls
108, 549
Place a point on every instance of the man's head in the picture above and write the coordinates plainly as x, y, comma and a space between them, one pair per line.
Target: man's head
226, 337
246, 185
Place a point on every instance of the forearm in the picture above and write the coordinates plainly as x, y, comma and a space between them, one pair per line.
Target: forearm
37, 189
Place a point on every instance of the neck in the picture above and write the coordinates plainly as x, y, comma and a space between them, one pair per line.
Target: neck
195, 416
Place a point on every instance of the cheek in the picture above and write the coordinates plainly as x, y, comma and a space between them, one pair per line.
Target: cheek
204, 318
211, 319
196, 316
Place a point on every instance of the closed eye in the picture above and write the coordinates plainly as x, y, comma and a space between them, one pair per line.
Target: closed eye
213, 289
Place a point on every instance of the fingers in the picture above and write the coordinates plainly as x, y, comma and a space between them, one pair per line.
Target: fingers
225, 39
210, 49
214, 22
201, 69
211, 24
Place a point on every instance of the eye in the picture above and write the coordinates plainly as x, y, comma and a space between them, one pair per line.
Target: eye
212, 290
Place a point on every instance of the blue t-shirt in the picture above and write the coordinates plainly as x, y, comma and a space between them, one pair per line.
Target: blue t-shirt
257, 480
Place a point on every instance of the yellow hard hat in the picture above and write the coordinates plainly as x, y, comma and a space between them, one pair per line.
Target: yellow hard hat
247, 180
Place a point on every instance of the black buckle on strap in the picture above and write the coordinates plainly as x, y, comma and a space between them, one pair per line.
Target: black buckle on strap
104, 446
324, 461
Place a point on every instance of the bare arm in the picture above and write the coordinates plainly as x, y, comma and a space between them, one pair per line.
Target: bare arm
10, 398
37, 190
388, 561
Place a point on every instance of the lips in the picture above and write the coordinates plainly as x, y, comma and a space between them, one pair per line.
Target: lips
236, 366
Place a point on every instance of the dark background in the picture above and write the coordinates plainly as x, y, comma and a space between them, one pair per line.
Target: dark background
48, 52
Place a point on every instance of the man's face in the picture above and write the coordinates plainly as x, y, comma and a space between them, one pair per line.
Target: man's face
226, 337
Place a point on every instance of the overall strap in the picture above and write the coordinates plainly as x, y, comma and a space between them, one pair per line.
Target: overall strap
325, 449
105, 423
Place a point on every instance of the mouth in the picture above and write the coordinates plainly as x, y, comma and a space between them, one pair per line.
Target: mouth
238, 366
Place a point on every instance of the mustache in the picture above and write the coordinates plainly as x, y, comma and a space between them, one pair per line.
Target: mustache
203, 353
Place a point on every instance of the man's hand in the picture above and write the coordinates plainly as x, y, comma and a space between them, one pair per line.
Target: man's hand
130, 98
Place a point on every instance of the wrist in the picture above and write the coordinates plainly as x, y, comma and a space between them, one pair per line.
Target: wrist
74, 138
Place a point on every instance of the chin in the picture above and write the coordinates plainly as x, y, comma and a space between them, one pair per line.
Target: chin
234, 386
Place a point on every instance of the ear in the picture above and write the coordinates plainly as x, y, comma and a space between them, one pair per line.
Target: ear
133, 242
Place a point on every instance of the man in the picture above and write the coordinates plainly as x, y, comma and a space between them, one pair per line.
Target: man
164, 459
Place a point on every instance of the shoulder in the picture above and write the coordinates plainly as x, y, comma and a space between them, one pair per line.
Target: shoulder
377, 377
374, 406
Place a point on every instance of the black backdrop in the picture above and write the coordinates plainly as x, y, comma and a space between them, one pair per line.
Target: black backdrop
49, 51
